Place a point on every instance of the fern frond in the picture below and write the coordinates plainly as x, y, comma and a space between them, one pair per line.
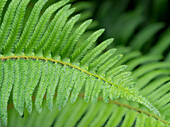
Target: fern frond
147, 78
112, 92
162, 44
147, 32
141, 60
35, 67
150, 67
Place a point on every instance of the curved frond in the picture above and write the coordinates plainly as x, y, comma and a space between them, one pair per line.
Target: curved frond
144, 35
43, 60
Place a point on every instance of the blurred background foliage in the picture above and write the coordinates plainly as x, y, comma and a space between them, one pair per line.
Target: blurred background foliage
139, 25
134, 24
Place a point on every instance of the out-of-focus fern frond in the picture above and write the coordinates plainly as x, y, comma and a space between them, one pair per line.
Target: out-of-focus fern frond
136, 24
162, 44
144, 35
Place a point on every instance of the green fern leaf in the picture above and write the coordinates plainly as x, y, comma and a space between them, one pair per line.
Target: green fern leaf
43, 59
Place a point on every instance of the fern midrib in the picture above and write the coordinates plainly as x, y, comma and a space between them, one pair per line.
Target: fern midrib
63, 63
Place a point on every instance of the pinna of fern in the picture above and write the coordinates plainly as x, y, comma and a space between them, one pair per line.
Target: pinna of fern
42, 59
